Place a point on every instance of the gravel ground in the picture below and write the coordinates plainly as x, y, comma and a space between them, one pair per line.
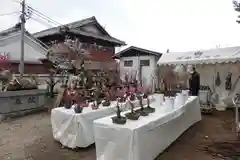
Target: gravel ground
30, 138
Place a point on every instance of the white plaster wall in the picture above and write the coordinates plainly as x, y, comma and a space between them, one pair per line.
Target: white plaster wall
12, 45
148, 71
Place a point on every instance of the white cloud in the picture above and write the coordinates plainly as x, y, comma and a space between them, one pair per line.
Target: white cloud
152, 24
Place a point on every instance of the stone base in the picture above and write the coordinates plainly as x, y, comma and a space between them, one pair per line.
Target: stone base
121, 120
22, 113
18, 101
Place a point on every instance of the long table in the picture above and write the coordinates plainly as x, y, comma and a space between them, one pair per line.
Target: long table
76, 130
147, 137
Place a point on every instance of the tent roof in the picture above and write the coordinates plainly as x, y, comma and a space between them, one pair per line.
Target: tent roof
211, 56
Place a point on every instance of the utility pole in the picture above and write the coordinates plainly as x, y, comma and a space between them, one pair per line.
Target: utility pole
22, 17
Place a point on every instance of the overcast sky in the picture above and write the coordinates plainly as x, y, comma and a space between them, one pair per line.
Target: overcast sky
151, 24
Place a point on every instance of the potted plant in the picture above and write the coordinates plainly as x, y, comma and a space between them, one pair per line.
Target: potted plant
148, 108
132, 115
118, 119
94, 105
141, 111
106, 101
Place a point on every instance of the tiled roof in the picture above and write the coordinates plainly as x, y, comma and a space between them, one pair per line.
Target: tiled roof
74, 28
15, 29
121, 53
13, 33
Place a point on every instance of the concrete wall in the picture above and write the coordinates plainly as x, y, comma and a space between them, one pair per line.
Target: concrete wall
15, 101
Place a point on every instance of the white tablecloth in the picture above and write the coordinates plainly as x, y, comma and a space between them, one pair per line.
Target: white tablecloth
147, 137
76, 130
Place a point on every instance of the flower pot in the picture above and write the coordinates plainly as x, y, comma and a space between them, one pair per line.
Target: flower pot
106, 103
132, 116
78, 109
119, 120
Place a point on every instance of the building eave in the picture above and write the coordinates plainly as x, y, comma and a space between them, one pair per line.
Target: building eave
112, 40
72, 26
148, 52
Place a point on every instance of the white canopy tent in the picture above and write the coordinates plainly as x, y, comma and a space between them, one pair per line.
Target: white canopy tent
208, 63
211, 56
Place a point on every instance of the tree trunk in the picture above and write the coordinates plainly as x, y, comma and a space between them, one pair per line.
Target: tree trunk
118, 112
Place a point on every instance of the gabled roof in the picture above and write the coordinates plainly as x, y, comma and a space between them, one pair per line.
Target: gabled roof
136, 51
17, 28
9, 31
74, 27
13, 34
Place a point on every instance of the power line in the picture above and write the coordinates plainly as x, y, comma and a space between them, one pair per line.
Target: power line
31, 10
7, 14
41, 14
41, 22
16, 1
43, 17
